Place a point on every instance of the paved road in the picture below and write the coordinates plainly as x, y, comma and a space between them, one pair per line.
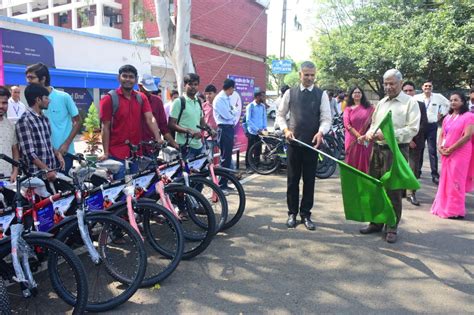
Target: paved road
260, 266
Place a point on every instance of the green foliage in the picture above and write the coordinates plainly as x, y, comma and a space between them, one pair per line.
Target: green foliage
423, 39
276, 81
92, 122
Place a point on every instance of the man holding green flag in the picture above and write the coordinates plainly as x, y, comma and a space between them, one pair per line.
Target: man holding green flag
390, 144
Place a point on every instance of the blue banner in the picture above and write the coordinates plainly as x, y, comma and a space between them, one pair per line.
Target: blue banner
27, 48
281, 66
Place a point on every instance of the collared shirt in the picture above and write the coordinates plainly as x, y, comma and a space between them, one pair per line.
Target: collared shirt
236, 103
61, 110
405, 117
126, 123
334, 107
208, 113
158, 111
225, 111
325, 119
15, 110
168, 107
7, 140
256, 117
190, 118
435, 104
34, 136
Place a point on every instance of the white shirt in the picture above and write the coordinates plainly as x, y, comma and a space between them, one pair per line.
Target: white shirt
7, 140
325, 119
15, 110
168, 107
471, 106
237, 104
435, 104
405, 117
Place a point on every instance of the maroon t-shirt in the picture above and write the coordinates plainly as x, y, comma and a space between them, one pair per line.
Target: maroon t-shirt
158, 111
126, 123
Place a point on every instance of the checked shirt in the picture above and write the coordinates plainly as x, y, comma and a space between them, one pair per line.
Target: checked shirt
34, 137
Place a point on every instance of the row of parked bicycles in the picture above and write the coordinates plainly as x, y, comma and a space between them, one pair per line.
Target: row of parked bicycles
268, 155
87, 242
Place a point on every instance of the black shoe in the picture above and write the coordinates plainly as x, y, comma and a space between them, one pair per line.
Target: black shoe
412, 199
371, 228
291, 222
435, 180
308, 224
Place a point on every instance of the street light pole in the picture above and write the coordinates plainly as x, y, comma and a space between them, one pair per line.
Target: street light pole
283, 32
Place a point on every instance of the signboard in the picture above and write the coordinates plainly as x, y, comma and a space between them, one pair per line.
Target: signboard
27, 48
244, 86
281, 66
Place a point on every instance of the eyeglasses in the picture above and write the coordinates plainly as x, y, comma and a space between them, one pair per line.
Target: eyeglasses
408, 90
31, 77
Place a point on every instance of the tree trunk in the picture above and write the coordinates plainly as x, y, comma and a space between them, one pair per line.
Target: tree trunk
176, 41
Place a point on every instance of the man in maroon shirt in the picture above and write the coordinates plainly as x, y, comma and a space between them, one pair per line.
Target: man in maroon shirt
126, 123
210, 93
147, 86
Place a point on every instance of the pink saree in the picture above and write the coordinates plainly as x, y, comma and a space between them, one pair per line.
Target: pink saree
457, 169
359, 118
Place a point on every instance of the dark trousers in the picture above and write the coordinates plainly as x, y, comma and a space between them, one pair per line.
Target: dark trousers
414, 161
67, 163
252, 139
380, 163
225, 138
430, 136
301, 162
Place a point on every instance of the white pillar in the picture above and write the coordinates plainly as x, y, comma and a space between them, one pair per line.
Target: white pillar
99, 20
29, 9
74, 16
50, 14
9, 12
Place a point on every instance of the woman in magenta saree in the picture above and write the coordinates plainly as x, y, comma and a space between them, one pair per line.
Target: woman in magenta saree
457, 160
357, 118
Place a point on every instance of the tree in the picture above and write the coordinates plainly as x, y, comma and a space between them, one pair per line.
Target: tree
176, 37
424, 41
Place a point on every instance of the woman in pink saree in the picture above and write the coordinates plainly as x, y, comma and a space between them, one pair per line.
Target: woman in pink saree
357, 118
457, 160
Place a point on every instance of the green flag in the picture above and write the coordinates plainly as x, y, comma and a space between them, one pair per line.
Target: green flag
364, 197
400, 175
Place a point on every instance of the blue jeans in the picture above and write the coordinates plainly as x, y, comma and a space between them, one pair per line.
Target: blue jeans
189, 153
67, 163
121, 173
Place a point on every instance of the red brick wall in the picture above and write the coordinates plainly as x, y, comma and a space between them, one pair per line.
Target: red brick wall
126, 18
237, 65
228, 23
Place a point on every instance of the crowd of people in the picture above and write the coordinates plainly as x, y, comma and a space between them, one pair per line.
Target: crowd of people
42, 132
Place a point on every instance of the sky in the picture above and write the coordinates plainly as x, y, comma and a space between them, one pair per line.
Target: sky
297, 41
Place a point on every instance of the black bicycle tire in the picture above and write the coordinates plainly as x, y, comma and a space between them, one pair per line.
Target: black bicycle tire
5, 308
252, 165
151, 206
220, 194
211, 220
242, 198
80, 301
134, 285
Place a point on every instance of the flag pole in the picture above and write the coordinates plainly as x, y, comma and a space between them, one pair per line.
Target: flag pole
314, 149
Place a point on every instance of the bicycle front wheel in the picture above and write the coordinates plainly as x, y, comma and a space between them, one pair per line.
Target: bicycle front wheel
263, 157
165, 250
49, 258
123, 261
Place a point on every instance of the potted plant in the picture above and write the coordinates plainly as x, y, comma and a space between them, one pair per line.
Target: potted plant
91, 136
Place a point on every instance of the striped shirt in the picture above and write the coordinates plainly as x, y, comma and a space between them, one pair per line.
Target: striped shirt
33, 132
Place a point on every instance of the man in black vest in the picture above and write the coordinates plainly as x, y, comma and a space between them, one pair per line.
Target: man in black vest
310, 119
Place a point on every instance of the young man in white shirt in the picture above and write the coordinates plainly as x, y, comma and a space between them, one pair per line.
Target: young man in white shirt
8, 140
437, 107
15, 107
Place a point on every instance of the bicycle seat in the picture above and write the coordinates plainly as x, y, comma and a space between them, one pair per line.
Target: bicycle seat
110, 165
169, 154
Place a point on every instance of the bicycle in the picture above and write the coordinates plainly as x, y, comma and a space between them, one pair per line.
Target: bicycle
25, 252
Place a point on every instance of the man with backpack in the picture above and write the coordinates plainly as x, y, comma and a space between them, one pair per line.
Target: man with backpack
122, 113
186, 114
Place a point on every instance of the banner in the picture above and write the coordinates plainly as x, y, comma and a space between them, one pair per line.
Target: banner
27, 48
244, 86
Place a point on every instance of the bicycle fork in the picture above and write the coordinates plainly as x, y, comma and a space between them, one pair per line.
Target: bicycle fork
84, 231
21, 253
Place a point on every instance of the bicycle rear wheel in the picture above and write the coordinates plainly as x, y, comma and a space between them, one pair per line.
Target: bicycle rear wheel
166, 250
123, 261
54, 260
